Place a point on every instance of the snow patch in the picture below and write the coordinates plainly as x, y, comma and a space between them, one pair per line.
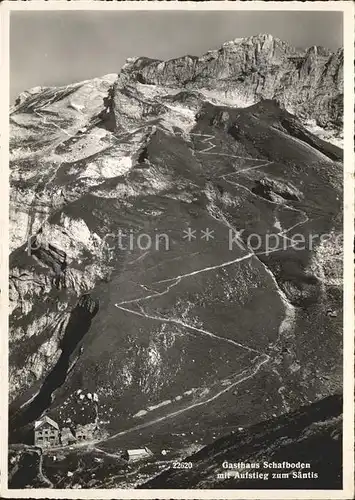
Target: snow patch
232, 98
76, 229
107, 168
332, 136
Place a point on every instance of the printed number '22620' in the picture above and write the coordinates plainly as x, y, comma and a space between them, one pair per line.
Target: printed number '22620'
182, 465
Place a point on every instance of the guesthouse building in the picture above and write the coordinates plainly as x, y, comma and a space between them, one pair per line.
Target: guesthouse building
46, 433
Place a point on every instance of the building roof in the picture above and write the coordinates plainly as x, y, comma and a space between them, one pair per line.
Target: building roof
85, 427
91, 427
67, 434
46, 420
138, 451
66, 431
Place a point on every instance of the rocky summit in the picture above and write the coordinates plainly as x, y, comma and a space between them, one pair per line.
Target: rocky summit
176, 257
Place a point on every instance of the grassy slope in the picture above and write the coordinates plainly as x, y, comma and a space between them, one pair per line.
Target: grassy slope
239, 302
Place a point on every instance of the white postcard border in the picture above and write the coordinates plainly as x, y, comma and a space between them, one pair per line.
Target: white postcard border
347, 7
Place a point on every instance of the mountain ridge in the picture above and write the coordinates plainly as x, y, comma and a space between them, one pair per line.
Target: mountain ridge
316, 61
254, 68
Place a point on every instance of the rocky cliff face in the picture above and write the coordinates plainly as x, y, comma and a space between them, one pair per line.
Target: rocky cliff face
108, 295
244, 71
